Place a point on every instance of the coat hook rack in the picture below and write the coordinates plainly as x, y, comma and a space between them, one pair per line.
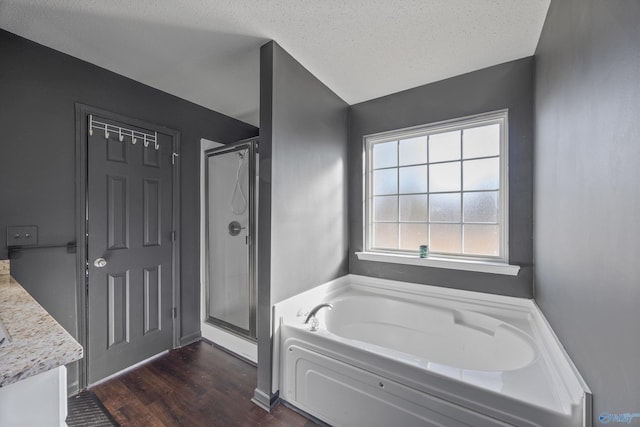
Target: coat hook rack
123, 132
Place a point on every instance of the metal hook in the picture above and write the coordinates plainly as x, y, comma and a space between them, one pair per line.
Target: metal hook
133, 139
146, 143
156, 145
106, 133
121, 136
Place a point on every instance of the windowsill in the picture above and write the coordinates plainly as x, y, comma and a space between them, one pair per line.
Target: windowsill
452, 264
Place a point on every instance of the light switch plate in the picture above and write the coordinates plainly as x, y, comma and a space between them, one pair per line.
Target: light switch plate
22, 235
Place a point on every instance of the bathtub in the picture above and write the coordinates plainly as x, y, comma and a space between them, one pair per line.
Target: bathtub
399, 354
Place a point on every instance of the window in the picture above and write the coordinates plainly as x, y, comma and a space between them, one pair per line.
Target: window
442, 185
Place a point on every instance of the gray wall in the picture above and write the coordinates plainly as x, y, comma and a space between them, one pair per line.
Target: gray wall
263, 312
508, 85
587, 196
38, 89
303, 162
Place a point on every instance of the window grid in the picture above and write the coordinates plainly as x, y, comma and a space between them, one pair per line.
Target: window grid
433, 163
500, 119
429, 221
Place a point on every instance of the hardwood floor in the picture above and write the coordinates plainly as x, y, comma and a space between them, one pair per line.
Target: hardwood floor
197, 385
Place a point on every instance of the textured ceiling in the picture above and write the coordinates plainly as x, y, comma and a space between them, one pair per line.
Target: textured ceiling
207, 51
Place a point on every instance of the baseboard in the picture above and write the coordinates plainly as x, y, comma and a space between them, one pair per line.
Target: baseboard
73, 389
73, 380
229, 340
226, 350
190, 339
264, 401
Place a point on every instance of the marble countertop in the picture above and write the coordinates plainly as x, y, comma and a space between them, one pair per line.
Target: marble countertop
37, 342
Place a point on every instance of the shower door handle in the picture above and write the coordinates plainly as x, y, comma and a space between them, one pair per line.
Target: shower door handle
235, 228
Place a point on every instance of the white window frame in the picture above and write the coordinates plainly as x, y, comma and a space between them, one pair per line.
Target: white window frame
492, 264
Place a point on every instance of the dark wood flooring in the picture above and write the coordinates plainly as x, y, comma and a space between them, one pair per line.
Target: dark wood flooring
196, 385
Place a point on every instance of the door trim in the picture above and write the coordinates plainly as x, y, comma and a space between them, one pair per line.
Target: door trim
82, 111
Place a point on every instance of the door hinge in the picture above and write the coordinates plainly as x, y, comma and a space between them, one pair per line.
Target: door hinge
173, 236
173, 158
174, 312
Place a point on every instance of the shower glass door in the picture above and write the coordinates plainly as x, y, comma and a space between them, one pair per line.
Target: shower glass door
230, 180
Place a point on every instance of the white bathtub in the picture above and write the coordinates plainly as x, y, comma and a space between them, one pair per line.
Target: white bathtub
399, 354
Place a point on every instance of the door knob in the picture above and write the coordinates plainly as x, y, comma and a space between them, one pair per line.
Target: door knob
100, 262
234, 228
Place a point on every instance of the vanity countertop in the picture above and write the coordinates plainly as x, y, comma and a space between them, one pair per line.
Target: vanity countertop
37, 342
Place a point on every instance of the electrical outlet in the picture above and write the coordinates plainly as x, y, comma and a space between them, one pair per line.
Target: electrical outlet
22, 235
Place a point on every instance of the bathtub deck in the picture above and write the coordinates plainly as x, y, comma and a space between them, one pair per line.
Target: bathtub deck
197, 385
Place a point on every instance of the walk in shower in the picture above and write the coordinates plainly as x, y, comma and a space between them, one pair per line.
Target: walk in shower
231, 195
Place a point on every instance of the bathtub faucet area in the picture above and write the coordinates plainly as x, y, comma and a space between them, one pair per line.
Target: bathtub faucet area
312, 315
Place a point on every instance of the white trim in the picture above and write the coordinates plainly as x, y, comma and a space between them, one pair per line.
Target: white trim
63, 408
436, 127
262, 400
231, 342
500, 117
448, 263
